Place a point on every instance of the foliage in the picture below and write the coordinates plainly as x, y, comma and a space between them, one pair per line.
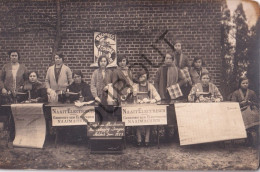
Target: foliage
253, 57
242, 59
242, 41
226, 50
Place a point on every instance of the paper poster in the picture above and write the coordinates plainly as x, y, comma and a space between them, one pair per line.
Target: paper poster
138, 115
209, 122
72, 115
105, 44
30, 125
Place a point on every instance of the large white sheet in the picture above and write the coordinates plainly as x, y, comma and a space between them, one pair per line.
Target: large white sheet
30, 125
209, 122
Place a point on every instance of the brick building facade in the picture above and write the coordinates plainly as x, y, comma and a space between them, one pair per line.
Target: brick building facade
29, 26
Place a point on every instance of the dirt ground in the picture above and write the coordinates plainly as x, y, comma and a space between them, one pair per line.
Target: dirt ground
170, 156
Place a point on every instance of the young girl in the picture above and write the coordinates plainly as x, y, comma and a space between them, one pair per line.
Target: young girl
249, 106
100, 79
122, 80
205, 91
197, 69
149, 94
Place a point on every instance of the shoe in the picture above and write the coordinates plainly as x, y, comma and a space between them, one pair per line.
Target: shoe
138, 144
146, 144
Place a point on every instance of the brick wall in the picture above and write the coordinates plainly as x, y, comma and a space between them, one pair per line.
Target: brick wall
29, 26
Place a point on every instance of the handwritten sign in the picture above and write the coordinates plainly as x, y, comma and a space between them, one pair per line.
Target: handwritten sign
138, 115
72, 115
30, 126
209, 122
106, 129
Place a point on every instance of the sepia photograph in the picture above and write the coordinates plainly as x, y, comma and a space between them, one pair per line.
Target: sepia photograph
129, 85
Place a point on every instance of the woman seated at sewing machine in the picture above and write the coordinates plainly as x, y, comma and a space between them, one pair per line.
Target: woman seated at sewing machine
35, 91
78, 90
205, 91
144, 91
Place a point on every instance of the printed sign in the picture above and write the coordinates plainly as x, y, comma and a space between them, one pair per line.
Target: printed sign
65, 116
209, 122
106, 129
105, 44
144, 115
30, 126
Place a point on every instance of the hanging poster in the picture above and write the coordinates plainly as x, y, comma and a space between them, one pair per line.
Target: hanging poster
105, 44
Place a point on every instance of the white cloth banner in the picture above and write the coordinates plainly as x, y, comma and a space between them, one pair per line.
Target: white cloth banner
30, 125
72, 115
209, 122
148, 114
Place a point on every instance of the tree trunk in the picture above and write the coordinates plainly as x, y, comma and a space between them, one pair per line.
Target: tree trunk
57, 40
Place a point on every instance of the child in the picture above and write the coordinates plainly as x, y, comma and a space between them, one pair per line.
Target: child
197, 69
149, 94
249, 106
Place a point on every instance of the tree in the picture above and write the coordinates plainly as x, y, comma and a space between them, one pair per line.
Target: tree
226, 50
241, 47
253, 55
58, 37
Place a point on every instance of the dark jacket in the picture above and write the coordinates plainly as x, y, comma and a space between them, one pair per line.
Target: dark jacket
121, 82
173, 76
195, 76
181, 60
76, 88
37, 91
250, 96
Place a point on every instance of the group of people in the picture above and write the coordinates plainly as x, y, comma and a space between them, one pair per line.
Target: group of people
173, 77
174, 80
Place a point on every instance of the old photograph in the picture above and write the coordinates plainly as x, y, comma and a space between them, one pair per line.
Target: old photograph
129, 84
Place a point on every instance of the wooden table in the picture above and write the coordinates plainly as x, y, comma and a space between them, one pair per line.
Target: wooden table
104, 113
